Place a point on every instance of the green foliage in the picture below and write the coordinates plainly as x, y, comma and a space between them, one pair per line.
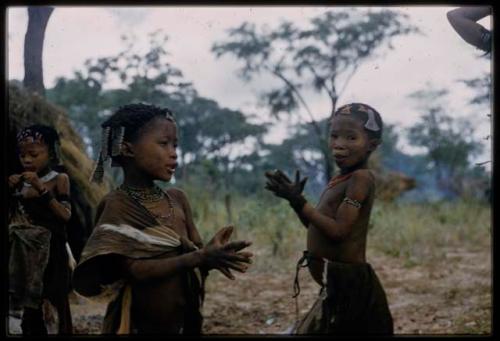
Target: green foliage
482, 87
268, 222
416, 233
449, 142
145, 77
207, 132
390, 139
219, 148
298, 151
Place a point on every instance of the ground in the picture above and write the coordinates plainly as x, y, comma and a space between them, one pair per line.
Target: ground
450, 296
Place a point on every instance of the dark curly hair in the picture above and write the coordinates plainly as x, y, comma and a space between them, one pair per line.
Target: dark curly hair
134, 116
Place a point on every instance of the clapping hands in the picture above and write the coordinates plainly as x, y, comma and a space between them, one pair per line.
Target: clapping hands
225, 256
283, 187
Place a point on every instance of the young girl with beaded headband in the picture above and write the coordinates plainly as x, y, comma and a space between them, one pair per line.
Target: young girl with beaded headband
39, 273
145, 248
351, 300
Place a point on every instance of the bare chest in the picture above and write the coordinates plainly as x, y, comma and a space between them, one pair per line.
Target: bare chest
170, 214
159, 304
330, 199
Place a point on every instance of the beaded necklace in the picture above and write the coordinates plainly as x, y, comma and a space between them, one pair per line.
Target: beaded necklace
144, 196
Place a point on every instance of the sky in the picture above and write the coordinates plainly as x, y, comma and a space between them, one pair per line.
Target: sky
438, 58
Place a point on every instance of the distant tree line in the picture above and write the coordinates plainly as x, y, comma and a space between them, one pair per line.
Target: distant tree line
225, 148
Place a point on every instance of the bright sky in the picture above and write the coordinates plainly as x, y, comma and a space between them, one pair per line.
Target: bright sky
438, 58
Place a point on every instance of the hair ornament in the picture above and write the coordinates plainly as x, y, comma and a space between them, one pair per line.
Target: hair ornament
105, 143
98, 172
371, 124
118, 135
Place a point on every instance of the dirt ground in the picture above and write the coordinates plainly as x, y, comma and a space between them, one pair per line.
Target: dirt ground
451, 296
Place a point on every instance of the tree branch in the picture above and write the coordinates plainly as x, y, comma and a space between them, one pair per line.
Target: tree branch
323, 85
299, 96
354, 69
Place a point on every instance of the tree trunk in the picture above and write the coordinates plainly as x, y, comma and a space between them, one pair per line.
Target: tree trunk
328, 164
229, 212
38, 17
327, 155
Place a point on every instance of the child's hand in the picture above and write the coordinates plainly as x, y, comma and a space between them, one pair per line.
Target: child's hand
33, 180
222, 236
221, 255
283, 187
14, 180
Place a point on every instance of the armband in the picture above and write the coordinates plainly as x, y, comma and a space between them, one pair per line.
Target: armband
352, 202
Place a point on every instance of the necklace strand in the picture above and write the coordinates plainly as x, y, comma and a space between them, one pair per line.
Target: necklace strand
149, 195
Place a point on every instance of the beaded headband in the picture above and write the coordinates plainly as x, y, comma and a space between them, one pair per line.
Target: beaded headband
370, 124
28, 135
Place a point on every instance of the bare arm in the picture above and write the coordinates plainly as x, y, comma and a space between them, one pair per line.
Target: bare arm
283, 187
303, 219
14, 181
463, 20
193, 233
210, 256
148, 269
195, 237
61, 209
359, 188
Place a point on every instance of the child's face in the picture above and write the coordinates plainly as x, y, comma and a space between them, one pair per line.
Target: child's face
34, 156
349, 142
154, 150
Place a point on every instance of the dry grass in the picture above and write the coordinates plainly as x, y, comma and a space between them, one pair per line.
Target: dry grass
416, 233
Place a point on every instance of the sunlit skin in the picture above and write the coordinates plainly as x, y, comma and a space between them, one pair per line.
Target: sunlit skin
336, 230
35, 160
158, 287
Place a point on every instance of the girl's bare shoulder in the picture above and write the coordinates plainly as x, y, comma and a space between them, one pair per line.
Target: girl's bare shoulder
178, 195
363, 175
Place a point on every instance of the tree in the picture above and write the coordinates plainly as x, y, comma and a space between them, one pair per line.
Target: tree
147, 77
449, 142
322, 58
482, 87
223, 136
482, 96
298, 151
213, 141
38, 18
